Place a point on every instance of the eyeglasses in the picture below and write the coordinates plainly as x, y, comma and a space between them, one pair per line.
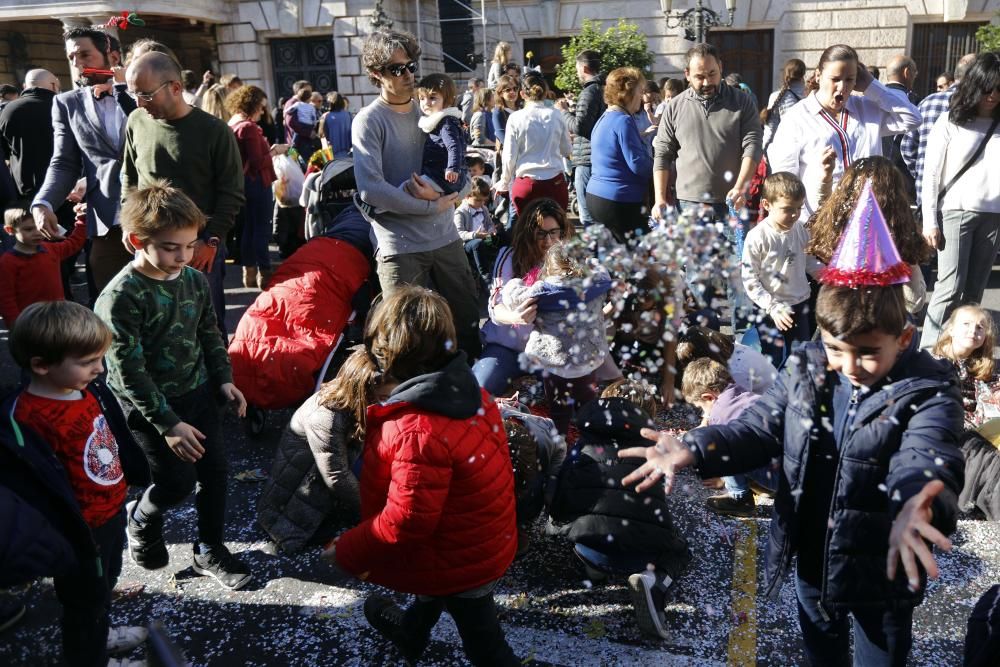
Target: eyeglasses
147, 97
542, 234
397, 69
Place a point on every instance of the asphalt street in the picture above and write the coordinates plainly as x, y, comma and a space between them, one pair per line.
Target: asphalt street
295, 612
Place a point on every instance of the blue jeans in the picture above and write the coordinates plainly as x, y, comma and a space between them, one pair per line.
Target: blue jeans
614, 563
882, 636
256, 216
496, 367
739, 485
581, 176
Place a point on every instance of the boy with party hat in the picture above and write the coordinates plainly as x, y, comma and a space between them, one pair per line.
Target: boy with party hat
864, 425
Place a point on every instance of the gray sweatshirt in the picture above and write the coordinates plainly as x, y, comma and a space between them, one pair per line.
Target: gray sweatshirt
707, 144
388, 149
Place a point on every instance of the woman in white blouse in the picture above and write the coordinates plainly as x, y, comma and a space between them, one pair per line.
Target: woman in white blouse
852, 125
962, 185
535, 143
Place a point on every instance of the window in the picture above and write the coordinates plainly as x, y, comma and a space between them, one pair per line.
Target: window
750, 53
457, 45
547, 54
937, 47
308, 58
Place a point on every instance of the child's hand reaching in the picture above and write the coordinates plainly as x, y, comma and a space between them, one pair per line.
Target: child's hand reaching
906, 538
782, 316
184, 440
451, 176
663, 459
235, 396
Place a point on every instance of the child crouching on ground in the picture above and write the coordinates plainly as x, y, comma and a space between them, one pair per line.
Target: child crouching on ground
66, 410
476, 229
708, 385
568, 342
169, 367
619, 530
866, 427
437, 493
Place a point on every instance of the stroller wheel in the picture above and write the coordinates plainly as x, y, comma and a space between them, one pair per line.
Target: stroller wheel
255, 421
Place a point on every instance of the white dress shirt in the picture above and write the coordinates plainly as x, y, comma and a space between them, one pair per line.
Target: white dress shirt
537, 141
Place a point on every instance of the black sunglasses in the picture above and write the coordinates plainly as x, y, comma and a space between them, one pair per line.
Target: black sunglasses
397, 69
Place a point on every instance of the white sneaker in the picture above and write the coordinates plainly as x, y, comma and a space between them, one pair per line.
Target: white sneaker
647, 601
125, 638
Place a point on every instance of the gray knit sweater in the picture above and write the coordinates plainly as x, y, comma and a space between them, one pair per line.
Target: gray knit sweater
388, 149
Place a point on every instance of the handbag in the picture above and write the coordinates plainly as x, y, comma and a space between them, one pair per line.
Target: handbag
968, 165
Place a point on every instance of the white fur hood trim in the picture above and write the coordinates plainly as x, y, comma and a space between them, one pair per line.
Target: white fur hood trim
428, 123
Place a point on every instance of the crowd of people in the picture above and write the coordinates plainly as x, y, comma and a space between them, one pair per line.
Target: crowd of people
805, 226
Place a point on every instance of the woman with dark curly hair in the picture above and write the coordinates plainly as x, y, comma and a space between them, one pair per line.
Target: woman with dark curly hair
541, 225
247, 104
960, 183
828, 223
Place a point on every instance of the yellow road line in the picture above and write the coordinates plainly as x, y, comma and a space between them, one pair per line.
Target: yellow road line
743, 636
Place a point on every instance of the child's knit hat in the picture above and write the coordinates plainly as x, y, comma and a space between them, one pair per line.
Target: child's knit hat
866, 255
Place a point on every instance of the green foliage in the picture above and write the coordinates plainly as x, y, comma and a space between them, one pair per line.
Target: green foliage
621, 45
989, 37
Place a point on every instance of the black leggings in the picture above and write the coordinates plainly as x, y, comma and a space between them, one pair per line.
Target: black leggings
623, 219
476, 618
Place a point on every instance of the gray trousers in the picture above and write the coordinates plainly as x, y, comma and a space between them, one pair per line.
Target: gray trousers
971, 240
447, 271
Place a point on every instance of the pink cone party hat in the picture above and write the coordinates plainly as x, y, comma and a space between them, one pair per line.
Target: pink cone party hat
866, 255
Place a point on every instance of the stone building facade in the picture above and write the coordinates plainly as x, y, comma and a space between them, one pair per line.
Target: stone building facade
272, 42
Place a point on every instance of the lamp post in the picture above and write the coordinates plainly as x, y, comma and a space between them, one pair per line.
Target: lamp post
698, 20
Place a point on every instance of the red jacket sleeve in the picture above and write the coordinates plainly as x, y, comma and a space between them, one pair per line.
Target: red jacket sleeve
8, 294
72, 244
419, 485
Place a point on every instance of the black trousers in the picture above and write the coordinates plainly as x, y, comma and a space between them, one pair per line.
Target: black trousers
85, 596
174, 479
623, 219
478, 626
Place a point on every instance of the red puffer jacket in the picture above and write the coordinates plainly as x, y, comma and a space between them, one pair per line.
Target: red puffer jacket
437, 489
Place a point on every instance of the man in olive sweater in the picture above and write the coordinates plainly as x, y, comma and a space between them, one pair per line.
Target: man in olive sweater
195, 151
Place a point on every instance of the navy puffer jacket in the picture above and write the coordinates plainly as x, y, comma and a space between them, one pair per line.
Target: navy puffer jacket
901, 436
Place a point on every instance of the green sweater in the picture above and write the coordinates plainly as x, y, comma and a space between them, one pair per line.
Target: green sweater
198, 154
166, 341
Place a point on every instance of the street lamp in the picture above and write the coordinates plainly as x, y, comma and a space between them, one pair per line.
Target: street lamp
696, 21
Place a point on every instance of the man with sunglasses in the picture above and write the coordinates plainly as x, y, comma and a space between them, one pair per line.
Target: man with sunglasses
167, 138
417, 239
88, 135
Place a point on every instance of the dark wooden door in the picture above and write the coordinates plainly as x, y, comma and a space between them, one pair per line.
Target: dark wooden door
937, 48
749, 53
307, 58
547, 54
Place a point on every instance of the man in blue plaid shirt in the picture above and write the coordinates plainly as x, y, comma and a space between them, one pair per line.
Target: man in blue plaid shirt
914, 144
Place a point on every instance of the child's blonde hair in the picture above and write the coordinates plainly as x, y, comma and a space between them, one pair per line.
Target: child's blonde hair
482, 99
980, 363
559, 262
353, 390
411, 333
54, 330
157, 208
704, 376
783, 184
638, 392
15, 215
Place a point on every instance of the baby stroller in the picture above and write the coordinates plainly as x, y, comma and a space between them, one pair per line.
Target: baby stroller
288, 340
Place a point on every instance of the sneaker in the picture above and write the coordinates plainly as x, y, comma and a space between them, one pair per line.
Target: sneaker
648, 600
11, 611
145, 542
387, 618
729, 506
125, 638
227, 569
761, 490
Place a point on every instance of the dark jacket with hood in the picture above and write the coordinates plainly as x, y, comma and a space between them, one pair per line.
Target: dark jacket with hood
601, 513
890, 442
581, 120
42, 531
26, 128
437, 489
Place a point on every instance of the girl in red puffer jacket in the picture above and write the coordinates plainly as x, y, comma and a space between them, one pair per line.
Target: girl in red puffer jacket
437, 486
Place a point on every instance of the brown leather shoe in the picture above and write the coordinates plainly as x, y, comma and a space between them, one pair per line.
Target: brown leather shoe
729, 506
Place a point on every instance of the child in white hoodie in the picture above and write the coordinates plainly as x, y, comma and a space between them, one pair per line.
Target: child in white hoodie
444, 149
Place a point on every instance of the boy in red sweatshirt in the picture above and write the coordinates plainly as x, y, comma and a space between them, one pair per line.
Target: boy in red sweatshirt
29, 272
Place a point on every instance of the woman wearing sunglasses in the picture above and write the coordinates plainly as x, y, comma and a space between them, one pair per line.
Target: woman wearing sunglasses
541, 225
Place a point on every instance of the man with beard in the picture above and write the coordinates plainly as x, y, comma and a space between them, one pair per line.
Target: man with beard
88, 135
713, 132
